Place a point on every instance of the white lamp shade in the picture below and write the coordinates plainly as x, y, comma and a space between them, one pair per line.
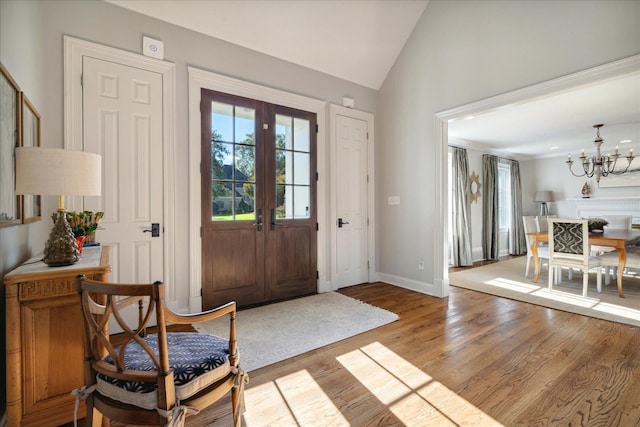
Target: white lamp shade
57, 172
543, 196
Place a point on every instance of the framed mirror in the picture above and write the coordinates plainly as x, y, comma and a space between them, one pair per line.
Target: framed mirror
31, 207
10, 131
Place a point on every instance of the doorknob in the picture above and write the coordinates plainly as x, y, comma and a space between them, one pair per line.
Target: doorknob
341, 223
155, 230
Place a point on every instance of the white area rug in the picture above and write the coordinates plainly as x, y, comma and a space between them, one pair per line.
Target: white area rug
506, 279
278, 331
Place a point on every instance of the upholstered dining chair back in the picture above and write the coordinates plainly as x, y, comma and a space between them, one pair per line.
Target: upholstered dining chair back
157, 378
569, 247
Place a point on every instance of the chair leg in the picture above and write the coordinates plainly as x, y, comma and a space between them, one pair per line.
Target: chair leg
599, 279
585, 282
570, 273
607, 275
552, 272
526, 269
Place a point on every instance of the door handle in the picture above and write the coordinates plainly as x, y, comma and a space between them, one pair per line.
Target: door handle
155, 230
341, 223
274, 224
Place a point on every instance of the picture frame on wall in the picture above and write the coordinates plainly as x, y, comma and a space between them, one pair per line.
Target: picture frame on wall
31, 137
10, 138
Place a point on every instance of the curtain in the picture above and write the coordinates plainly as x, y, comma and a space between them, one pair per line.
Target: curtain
517, 237
490, 207
461, 208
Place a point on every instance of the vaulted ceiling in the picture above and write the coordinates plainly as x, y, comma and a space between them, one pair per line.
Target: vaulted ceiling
359, 41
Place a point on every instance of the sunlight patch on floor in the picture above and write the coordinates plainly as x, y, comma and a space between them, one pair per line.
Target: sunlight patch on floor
629, 313
293, 400
411, 395
512, 285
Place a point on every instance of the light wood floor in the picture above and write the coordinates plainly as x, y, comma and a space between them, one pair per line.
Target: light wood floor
471, 359
467, 358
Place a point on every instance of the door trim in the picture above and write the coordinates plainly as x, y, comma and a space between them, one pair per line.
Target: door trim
74, 50
199, 79
334, 111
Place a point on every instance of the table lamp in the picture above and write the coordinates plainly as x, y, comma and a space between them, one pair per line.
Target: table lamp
543, 197
58, 172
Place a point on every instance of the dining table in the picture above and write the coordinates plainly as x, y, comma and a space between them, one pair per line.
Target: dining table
610, 237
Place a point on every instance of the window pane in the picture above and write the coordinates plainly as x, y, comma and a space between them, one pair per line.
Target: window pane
283, 201
244, 206
301, 173
284, 167
221, 159
245, 125
221, 201
245, 163
284, 131
222, 121
301, 201
301, 135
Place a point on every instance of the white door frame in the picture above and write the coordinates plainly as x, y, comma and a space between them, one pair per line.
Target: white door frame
334, 111
199, 79
74, 50
441, 138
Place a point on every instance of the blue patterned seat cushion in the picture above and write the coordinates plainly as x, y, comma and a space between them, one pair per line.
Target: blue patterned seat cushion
197, 361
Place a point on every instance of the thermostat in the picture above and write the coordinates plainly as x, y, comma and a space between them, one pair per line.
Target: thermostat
153, 48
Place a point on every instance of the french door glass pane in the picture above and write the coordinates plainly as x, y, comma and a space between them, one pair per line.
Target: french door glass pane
233, 162
293, 167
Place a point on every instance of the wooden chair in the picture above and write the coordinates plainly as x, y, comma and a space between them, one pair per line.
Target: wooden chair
155, 379
569, 247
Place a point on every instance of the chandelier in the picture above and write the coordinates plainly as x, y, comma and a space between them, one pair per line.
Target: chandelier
600, 165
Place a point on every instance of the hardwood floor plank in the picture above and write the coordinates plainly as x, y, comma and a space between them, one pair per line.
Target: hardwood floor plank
471, 359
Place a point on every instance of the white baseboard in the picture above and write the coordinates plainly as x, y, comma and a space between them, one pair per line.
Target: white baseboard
413, 285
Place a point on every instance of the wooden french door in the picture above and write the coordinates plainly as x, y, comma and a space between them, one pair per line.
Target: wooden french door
259, 227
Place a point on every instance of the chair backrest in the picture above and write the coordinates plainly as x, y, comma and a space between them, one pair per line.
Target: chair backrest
529, 223
569, 239
618, 221
102, 302
541, 223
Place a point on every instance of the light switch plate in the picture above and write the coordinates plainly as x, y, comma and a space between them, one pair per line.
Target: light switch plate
393, 200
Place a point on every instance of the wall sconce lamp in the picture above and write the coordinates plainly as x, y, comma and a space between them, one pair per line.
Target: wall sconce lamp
58, 172
543, 197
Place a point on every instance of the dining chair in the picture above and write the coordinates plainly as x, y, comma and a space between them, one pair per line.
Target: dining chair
158, 378
610, 260
530, 226
569, 247
619, 222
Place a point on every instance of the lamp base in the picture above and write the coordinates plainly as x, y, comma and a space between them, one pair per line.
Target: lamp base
544, 210
61, 248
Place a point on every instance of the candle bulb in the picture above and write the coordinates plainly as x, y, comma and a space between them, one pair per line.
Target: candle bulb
616, 149
582, 153
569, 157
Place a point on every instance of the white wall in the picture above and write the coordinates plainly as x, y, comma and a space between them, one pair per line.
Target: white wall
553, 174
460, 52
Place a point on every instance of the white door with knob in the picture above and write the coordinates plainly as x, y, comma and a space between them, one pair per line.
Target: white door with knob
122, 121
351, 135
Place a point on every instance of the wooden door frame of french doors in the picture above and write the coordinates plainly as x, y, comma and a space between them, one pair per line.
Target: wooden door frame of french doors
200, 79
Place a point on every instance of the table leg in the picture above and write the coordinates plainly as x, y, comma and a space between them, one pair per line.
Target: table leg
536, 261
622, 261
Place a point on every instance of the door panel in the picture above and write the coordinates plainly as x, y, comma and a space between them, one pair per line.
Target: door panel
232, 240
258, 201
122, 116
351, 237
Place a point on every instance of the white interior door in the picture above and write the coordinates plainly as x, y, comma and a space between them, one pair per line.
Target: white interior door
122, 117
351, 213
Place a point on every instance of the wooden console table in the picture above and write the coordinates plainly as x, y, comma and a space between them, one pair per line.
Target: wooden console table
44, 338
